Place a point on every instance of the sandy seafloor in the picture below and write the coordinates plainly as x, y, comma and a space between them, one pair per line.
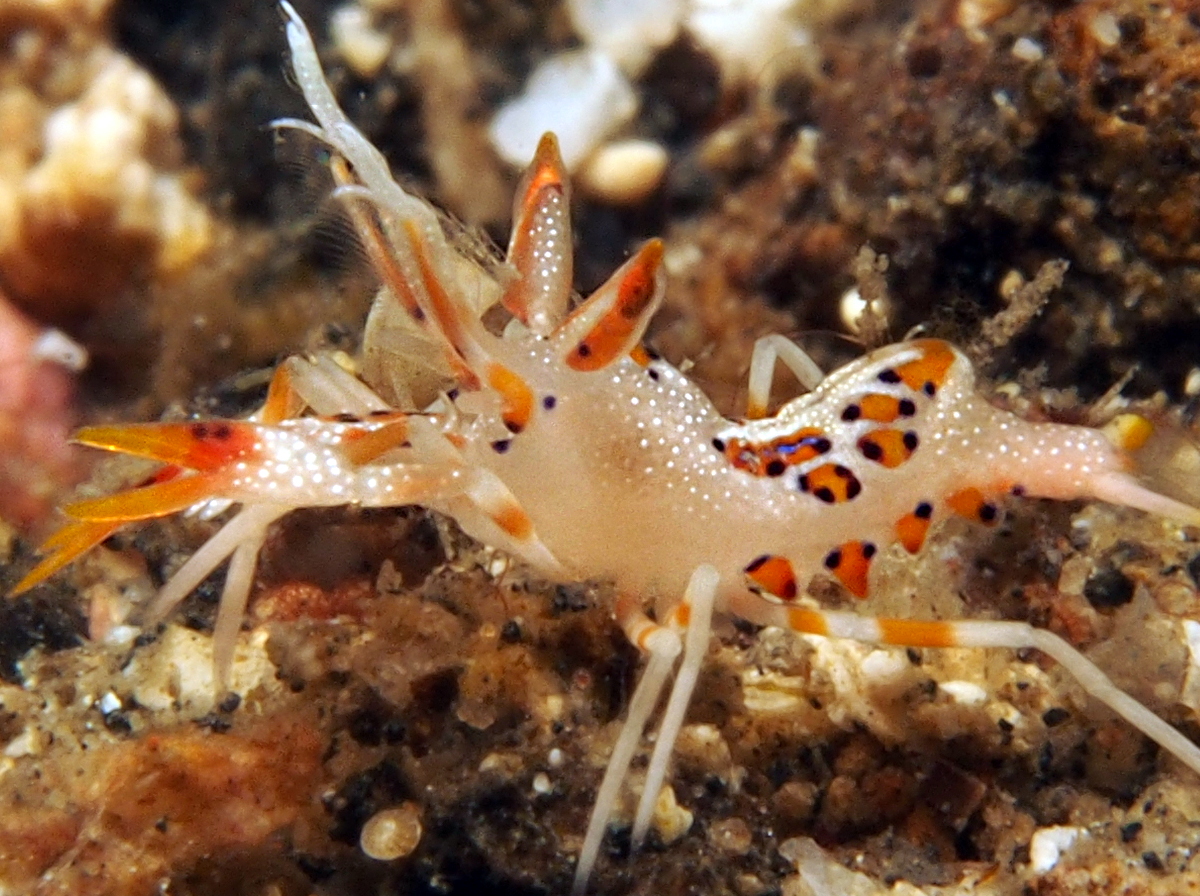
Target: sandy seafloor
411, 669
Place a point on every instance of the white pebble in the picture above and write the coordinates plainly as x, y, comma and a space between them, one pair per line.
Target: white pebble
977, 13
628, 30
364, 48
746, 35
1047, 846
1105, 29
884, 666
623, 172
1028, 50
541, 784
964, 692
581, 96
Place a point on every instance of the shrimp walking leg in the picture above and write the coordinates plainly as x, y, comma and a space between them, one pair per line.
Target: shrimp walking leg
691, 616
768, 350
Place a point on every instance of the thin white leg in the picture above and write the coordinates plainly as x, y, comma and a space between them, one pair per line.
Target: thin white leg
700, 597
768, 350
663, 646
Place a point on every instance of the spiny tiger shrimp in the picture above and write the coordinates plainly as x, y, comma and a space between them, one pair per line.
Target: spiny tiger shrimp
567, 445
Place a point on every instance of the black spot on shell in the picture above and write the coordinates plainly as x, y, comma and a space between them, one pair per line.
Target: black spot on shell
775, 467
549, 402
924, 511
988, 512
889, 376
824, 493
851, 412
652, 373
911, 441
853, 489
907, 407
868, 549
501, 445
930, 389
719, 445
833, 559
757, 562
802, 482
583, 350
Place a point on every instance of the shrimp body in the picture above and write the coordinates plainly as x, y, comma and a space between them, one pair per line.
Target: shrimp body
567, 445
659, 481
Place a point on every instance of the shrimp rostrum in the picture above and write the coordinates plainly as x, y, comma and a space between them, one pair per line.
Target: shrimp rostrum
565, 444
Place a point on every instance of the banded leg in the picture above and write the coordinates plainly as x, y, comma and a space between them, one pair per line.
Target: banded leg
977, 633
768, 350
696, 609
662, 645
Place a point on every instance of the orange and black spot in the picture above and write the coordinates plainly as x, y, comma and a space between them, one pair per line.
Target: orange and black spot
516, 398
974, 505
774, 575
774, 457
636, 291
889, 447
830, 483
850, 563
926, 373
912, 528
880, 408
202, 445
216, 431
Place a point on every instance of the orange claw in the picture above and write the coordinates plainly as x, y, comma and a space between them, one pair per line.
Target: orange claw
160, 499
71, 541
198, 445
79, 536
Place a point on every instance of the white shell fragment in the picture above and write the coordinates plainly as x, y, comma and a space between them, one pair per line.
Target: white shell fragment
581, 96
1047, 846
624, 172
745, 35
628, 30
364, 48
